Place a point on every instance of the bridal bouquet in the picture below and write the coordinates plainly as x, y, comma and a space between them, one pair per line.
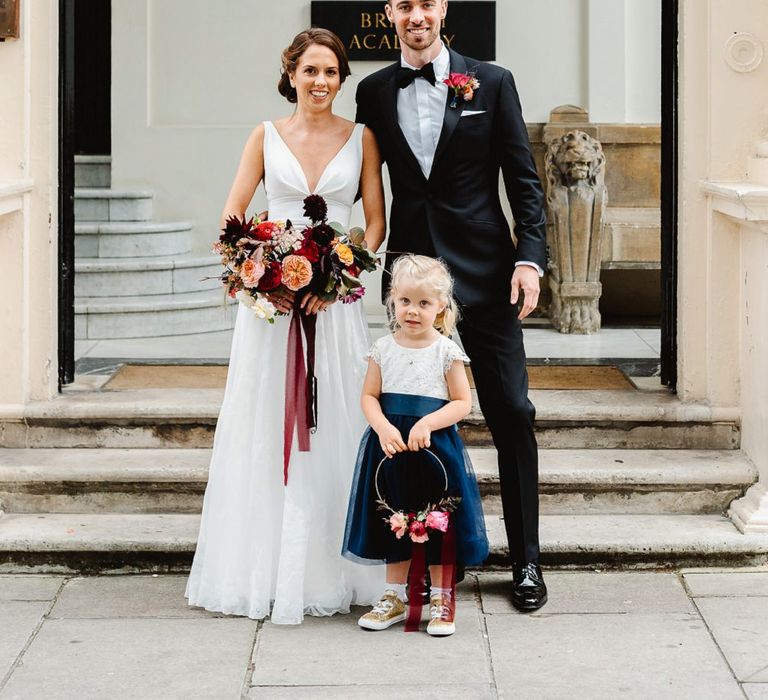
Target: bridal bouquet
263, 257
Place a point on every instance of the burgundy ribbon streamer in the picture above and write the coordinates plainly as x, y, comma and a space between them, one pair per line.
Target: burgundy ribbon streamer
418, 573
300, 386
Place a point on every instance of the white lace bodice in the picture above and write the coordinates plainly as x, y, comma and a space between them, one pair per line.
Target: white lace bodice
419, 371
286, 184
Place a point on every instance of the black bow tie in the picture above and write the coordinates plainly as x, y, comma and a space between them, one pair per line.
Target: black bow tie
405, 76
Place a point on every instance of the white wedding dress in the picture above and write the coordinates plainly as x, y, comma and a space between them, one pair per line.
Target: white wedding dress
265, 548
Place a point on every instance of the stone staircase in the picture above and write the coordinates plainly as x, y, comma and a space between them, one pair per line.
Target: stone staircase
113, 481
135, 277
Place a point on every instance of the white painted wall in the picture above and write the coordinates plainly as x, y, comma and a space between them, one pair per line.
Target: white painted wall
191, 78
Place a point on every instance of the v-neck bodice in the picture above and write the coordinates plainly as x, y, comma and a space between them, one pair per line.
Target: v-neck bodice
286, 184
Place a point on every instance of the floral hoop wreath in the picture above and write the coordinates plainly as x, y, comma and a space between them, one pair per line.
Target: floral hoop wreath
418, 523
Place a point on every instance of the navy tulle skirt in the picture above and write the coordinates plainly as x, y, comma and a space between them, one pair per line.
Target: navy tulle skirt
408, 482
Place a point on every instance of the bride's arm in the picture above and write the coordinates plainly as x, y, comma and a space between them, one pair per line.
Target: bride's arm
249, 175
372, 192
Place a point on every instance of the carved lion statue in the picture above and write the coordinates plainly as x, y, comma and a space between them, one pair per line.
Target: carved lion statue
573, 158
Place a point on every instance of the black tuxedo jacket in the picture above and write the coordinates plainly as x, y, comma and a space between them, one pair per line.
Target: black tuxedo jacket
456, 213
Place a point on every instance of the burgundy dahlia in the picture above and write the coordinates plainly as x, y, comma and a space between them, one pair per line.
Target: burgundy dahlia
315, 208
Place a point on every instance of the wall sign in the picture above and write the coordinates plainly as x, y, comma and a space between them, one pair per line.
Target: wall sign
9, 19
469, 28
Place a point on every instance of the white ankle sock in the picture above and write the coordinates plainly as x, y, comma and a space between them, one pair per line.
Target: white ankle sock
398, 588
434, 590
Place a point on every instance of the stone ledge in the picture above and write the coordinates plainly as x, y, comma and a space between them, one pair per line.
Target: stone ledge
745, 201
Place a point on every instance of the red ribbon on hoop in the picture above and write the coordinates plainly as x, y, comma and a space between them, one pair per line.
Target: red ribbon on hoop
418, 573
300, 386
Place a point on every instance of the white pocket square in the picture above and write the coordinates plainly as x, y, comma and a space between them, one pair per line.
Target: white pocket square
472, 112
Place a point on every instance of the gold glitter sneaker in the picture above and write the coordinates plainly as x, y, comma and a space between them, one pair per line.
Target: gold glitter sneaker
387, 612
441, 622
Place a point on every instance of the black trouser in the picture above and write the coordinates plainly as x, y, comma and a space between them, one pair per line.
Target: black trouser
493, 339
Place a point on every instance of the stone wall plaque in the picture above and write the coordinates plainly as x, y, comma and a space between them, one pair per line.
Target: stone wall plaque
469, 28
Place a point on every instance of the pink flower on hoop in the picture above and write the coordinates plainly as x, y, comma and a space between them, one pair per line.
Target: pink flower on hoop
399, 524
418, 531
463, 85
437, 520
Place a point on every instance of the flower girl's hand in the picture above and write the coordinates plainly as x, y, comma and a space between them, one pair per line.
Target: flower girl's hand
419, 437
390, 440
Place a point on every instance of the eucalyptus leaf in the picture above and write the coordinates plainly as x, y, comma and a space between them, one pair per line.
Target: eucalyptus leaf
356, 235
336, 226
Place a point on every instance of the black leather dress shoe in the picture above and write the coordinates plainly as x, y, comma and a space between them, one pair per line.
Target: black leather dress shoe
529, 592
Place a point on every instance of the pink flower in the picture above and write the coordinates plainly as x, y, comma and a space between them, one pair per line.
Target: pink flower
251, 272
437, 520
469, 93
418, 531
457, 80
399, 524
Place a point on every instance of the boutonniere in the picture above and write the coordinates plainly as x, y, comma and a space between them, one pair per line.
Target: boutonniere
463, 85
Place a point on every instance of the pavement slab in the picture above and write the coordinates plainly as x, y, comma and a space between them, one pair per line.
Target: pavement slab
335, 650
592, 592
734, 583
756, 691
169, 659
126, 596
22, 587
18, 621
607, 656
740, 628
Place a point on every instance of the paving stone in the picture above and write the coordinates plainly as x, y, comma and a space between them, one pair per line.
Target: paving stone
126, 596
607, 656
17, 623
29, 587
605, 592
733, 583
166, 659
322, 651
740, 628
372, 692
756, 691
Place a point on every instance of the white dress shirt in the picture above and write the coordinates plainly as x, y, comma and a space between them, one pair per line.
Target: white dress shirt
420, 114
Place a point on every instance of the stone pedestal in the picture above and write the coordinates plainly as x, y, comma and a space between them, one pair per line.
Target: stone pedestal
576, 200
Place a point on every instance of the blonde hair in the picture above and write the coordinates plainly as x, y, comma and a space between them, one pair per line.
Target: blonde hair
433, 273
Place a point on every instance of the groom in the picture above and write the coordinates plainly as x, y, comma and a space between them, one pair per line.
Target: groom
444, 156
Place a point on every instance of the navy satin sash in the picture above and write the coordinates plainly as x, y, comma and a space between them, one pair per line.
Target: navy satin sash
410, 404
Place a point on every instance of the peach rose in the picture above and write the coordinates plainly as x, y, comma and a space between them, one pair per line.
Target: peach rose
437, 520
297, 272
251, 272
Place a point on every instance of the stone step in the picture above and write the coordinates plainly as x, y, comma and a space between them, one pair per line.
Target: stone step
131, 239
123, 277
151, 316
93, 171
570, 481
89, 543
159, 418
107, 204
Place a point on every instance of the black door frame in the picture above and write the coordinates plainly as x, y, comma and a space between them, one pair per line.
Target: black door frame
669, 190
66, 203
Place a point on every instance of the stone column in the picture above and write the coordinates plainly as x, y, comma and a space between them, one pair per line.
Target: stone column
576, 199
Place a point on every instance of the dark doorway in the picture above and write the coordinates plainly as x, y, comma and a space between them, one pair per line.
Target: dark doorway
93, 76
669, 188
85, 70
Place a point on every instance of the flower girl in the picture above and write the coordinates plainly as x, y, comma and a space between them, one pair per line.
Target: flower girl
414, 499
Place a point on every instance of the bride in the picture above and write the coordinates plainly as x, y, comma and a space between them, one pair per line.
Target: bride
266, 548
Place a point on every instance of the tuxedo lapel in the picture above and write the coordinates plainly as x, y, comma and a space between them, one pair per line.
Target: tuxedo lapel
452, 114
389, 99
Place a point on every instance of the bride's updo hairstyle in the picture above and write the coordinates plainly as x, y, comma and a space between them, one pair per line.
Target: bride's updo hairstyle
301, 42
427, 272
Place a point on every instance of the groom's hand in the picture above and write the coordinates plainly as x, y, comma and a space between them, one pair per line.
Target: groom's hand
526, 278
